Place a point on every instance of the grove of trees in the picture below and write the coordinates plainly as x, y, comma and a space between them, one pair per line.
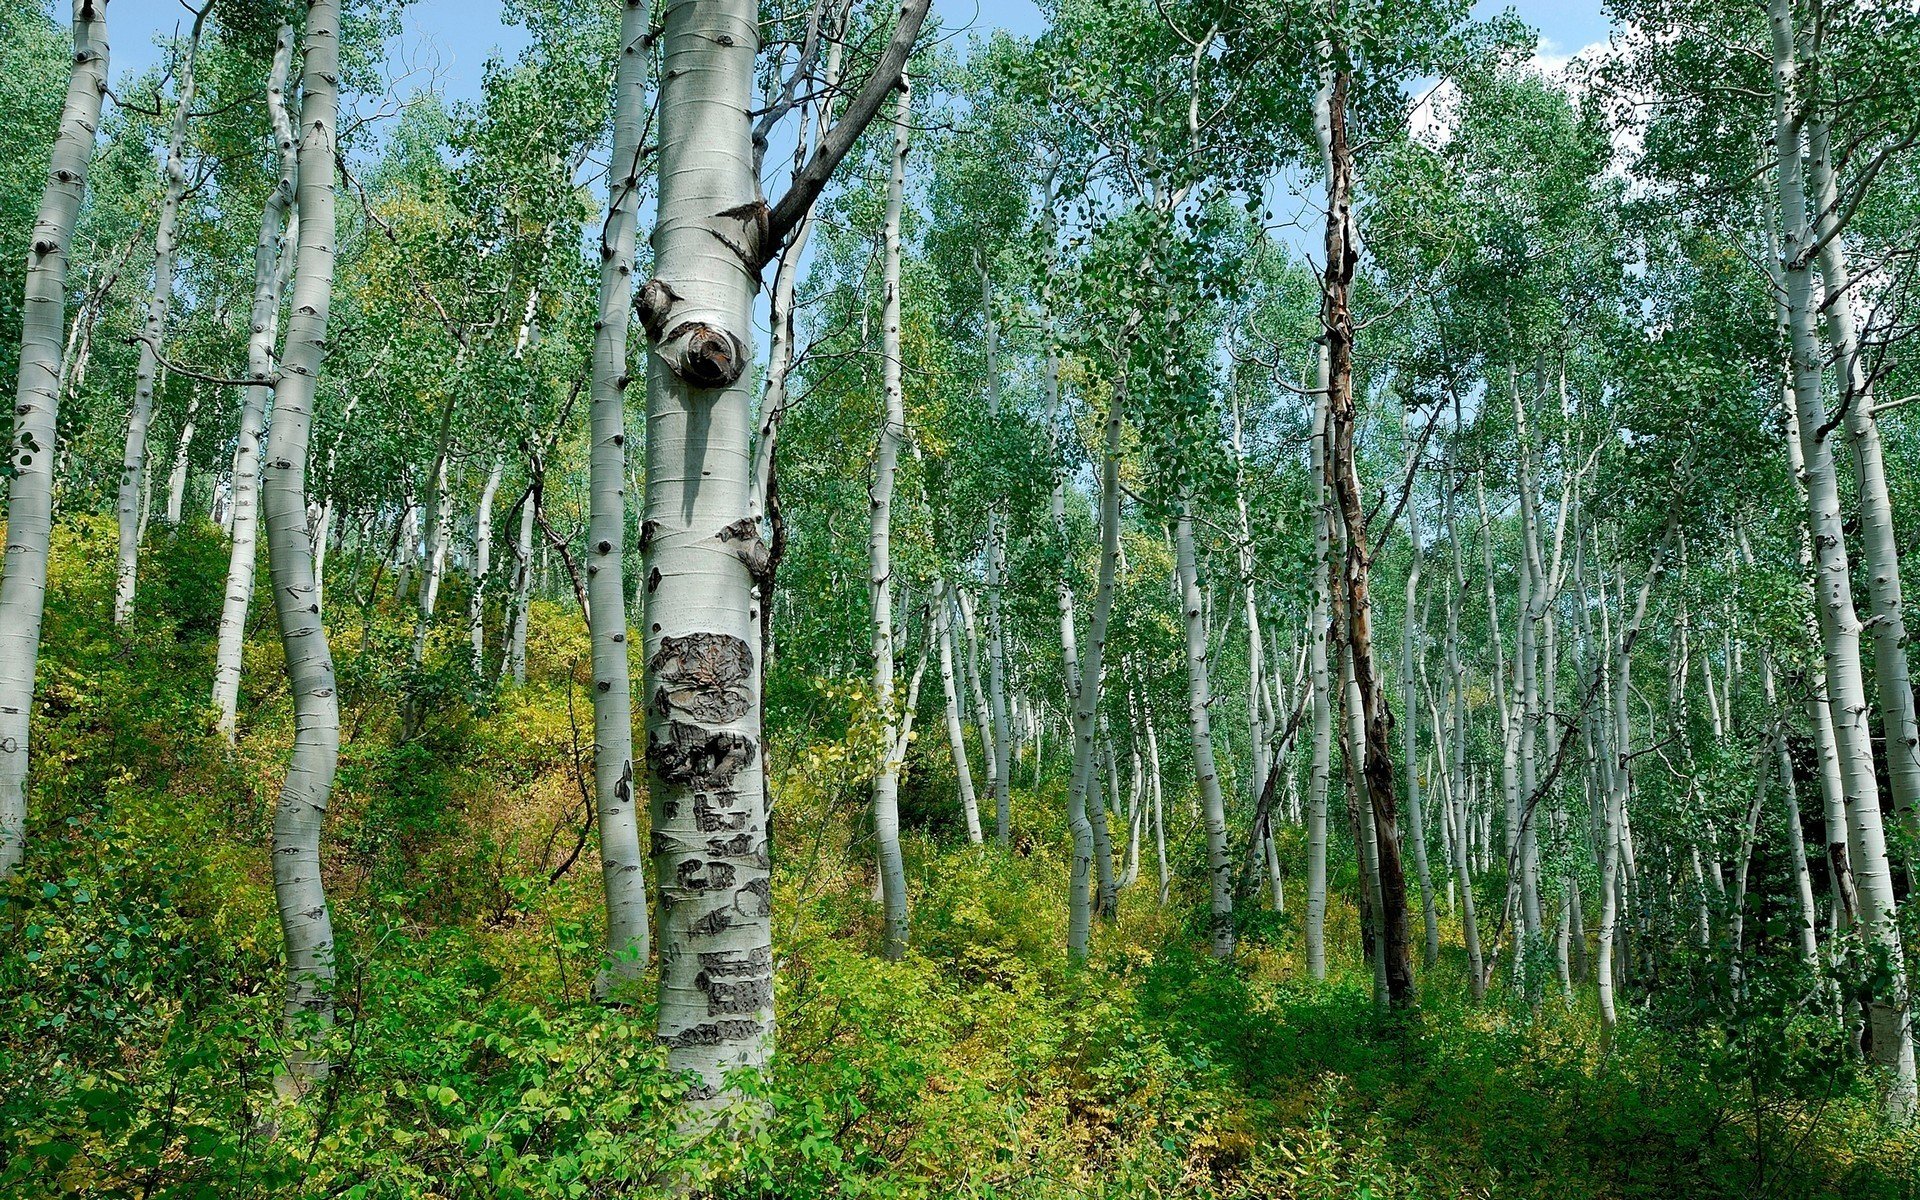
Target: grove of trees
1237, 598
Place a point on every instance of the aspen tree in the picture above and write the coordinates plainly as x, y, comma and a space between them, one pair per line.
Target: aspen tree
272, 263
893, 433
616, 805
153, 331
23, 583
1890, 1010
702, 553
305, 919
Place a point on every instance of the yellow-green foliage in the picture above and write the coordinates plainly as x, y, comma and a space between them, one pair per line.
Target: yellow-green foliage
139, 959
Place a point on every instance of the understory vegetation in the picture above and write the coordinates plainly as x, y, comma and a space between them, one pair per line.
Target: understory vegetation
142, 956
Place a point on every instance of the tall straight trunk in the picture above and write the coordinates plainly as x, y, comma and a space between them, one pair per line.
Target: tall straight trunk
182, 459
982, 713
1159, 807
1087, 703
1617, 744
996, 581
1199, 725
1375, 753
950, 693
153, 330
1457, 801
622, 868
893, 433
1890, 1011
483, 565
1879, 543
23, 583
272, 261
439, 528
1320, 765
1259, 733
1410, 705
513, 662
702, 552
305, 919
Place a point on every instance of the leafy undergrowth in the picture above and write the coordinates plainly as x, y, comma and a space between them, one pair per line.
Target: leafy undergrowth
140, 951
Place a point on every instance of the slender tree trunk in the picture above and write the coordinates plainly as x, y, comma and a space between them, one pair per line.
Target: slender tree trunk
893, 434
1087, 702
483, 565
1458, 802
1375, 753
305, 919
1878, 540
513, 664
272, 261
996, 579
1410, 705
23, 583
1890, 1011
1320, 766
1199, 725
956, 731
133, 472
177, 477
622, 868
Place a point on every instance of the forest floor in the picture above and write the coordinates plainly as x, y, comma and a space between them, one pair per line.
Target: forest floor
139, 966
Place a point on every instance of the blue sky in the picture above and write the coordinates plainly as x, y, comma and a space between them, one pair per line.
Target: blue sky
458, 35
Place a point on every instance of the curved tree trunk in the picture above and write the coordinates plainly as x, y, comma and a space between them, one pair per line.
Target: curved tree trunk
305, 919
23, 584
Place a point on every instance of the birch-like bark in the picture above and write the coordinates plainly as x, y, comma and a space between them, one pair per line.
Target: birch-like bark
1879, 544
982, 713
893, 433
482, 565
1320, 765
439, 528
1410, 706
305, 919
702, 552
1087, 702
1890, 1012
950, 693
622, 868
1460, 791
182, 459
23, 582
1199, 725
153, 330
996, 580
272, 260
513, 663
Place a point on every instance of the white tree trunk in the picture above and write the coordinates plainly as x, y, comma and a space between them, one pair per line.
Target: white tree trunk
1199, 724
154, 329
177, 477
1890, 1011
305, 920
950, 693
1878, 541
1320, 769
482, 566
1087, 702
272, 261
893, 434
1410, 715
23, 584
622, 867
702, 551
